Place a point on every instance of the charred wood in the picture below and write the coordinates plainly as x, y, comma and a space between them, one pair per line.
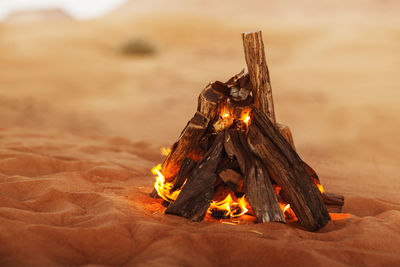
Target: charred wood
288, 171
195, 197
186, 168
258, 188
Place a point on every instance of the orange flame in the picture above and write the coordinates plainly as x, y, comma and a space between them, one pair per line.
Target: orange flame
321, 188
230, 207
165, 151
225, 112
287, 212
164, 189
245, 116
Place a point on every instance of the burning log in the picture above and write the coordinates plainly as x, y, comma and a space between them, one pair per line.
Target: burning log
258, 187
184, 172
186, 145
288, 171
233, 149
196, 195
333, 202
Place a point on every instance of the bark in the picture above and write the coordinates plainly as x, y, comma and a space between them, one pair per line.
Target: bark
184, 172
196, 195
286, 133
185, 146
258, 188
259, 75
288, 171
333, 202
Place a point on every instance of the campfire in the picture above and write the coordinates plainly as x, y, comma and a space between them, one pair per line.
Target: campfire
233, 158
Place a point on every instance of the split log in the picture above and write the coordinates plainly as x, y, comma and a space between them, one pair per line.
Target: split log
186, 144
232, 81
209, 102
288, 171
286, 133
208, 106
184, 172
258, 188
259, 75
333, 202
196, 195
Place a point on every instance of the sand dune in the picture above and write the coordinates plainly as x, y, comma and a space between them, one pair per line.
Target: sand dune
82, 126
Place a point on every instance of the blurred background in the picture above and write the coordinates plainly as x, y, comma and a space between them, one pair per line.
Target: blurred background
135, 68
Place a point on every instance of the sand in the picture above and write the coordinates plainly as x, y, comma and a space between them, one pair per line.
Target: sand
82, 125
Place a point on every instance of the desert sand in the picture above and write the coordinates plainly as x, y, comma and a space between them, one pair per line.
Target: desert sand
82, 125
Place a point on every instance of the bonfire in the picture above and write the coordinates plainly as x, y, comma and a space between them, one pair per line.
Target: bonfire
233, 158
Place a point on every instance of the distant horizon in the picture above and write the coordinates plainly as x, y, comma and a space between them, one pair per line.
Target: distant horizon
80, 9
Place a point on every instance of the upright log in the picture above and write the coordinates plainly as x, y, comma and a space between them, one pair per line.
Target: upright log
259, 75
258, 187
288, 171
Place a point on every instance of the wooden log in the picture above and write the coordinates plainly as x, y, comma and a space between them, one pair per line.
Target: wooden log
288, 171
259, 75
333, 202
184, 172
311, 172
228, 163
196, 195
286, 133
186, 144
233, 81
209, 102
258, 188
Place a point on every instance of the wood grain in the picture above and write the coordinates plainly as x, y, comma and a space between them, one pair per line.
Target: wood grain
259, 75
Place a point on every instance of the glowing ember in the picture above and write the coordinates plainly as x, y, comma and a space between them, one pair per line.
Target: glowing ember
229, 207
287, 212
225, 112
245, 116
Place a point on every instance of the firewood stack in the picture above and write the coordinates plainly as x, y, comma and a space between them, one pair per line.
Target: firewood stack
234, 142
